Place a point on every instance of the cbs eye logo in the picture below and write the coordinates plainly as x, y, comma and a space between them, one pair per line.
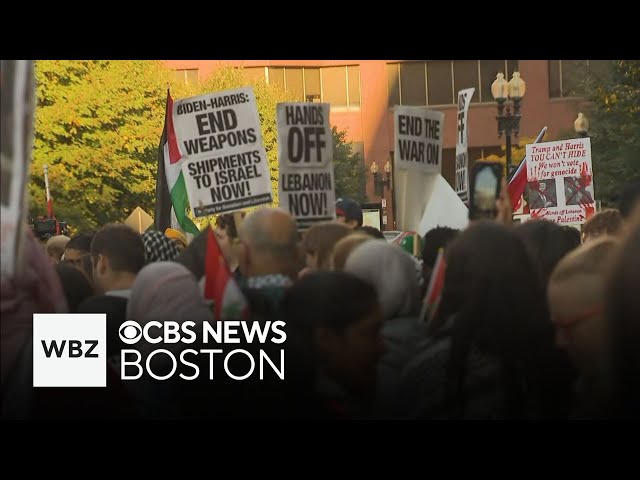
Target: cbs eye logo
130, 332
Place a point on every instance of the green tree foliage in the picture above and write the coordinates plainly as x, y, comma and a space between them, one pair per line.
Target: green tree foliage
614, 119
349, 171
97, 126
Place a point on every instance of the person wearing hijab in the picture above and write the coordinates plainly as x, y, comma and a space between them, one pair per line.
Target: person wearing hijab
392, 272
162, 292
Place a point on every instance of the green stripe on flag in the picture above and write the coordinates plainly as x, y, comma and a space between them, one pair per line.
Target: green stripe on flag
180, 202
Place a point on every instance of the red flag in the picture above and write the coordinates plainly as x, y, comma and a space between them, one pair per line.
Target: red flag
517, 184
228, 301
432, 298
174, 153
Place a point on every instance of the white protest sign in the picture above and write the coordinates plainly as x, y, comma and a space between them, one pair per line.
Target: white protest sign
306, 185
444, 208
226, 167
561, 181
418, 139
462, 140
17, 92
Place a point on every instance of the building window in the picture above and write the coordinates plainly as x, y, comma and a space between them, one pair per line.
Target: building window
437, 82
567, 77
188, 76
339, 86
440, 82
254, 74
413, 90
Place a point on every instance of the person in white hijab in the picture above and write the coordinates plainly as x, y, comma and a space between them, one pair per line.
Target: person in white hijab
393, 274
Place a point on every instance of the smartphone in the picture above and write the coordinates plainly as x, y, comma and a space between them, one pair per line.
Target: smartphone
485, 189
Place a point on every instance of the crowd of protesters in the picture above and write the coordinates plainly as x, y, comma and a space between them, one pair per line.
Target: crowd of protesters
535, 320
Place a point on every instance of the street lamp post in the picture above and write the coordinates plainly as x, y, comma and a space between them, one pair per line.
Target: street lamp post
380, 183
581, 126
508, 121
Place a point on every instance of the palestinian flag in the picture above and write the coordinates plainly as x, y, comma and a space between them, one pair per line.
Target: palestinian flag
220, 286
171, 191
431, 300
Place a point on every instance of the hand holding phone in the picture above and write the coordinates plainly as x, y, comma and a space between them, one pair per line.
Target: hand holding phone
487, 185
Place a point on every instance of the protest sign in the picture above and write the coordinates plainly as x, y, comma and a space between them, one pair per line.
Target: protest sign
462, 140
17, 92
306, 185
226, 167
560, 181
139, 220
418, 139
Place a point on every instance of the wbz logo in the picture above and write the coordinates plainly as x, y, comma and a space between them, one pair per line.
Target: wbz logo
75, 348
69, 350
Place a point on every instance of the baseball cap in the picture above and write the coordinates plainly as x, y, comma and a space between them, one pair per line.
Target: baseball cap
349, 209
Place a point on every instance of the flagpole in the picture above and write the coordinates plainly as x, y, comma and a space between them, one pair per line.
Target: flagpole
521, 165
46, 184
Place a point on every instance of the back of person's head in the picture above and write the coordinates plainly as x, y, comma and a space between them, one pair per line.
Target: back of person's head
573, 235
121, 245
372, 231
548, 242
493, 288
81, 242
55, 247
343, 248
392, 272
494, 296
588, 259
576, 294
319, 241
623, 312
335, 318
268, 241
605, 222
75, 284
165, 291
432, 242
629, 199
158, 247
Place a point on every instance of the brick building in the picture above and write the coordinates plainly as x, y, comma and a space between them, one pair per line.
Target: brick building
362, 93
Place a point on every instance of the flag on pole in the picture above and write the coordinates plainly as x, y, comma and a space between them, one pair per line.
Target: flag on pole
171, 191
220, 287
431, 300
518, 181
